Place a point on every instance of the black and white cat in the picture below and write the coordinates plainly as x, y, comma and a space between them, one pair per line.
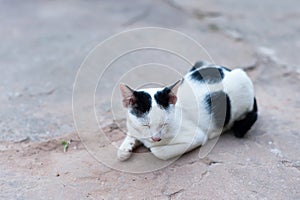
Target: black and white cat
173, 120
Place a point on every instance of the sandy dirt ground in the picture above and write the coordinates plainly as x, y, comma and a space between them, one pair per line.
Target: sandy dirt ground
42, 46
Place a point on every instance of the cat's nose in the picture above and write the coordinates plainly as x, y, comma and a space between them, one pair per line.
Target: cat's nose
156, 139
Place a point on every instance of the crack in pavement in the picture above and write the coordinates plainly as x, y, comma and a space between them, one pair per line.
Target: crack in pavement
170, 196
210, 162
292, 164
181, 190
196, 13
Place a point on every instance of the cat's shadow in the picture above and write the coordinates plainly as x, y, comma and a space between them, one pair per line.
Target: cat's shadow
225, 138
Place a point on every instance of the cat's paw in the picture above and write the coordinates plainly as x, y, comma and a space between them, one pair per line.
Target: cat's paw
124, 154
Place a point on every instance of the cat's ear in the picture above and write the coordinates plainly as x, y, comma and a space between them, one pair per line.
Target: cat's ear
127, 95
173, 92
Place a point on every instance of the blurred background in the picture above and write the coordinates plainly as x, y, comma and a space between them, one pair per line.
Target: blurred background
43, 44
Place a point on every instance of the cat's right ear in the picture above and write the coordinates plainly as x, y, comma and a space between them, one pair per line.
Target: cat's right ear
127, 95
173, 92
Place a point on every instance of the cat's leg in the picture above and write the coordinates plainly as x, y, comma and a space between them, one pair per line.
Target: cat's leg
126, 148
180, 146
241, 127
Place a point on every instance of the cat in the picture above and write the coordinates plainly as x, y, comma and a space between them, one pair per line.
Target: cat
173, 120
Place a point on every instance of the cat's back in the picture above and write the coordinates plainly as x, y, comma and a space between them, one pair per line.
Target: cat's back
204, 79
206, 82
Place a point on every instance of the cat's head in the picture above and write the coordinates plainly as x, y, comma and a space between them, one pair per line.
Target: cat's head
151, 112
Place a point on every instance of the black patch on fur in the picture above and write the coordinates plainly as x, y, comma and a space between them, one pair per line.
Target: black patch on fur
197, 65
241, 127
225, 68
142, 103
193, 69
219, 106
162, 98
208, 75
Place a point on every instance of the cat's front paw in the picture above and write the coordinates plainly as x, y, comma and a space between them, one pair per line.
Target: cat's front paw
124, 154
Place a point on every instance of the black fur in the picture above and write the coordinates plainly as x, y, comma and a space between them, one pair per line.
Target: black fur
228, 110
208, 74
218, 104
241, 127
197, 65
142, 103
162, 98
225, 68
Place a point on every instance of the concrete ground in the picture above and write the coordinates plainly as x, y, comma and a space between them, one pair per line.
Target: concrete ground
43, 43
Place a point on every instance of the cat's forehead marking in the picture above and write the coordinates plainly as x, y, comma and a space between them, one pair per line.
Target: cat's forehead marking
159, 96
142, 104
162, 98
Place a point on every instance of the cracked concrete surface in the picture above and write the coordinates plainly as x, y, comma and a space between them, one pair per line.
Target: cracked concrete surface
42, 46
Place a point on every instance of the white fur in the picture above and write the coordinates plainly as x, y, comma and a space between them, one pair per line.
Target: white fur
188, 125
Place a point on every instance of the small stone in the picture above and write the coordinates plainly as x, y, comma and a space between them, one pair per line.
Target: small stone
17, 94
277, 152
234, 35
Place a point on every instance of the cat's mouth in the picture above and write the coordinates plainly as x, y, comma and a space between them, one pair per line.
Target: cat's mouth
156, 139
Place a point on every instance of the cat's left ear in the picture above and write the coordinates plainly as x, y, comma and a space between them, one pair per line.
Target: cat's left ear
173, 93
127, 94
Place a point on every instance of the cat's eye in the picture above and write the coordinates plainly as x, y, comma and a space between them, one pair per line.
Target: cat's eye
146, 125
